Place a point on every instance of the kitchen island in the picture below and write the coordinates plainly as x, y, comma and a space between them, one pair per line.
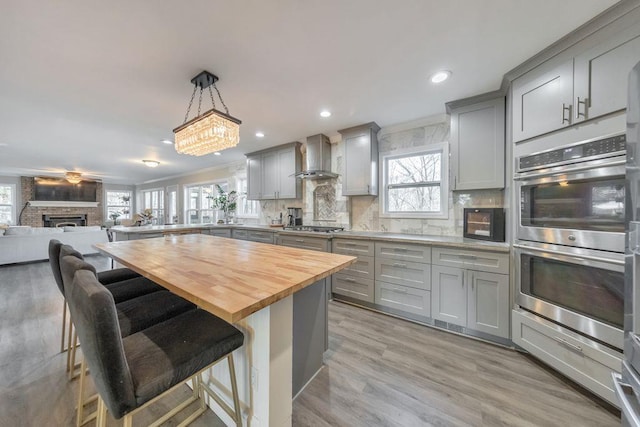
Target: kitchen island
246, 283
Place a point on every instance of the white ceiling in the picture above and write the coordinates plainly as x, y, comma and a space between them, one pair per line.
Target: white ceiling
94, 86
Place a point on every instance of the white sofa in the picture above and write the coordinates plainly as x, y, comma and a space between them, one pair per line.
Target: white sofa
22, 244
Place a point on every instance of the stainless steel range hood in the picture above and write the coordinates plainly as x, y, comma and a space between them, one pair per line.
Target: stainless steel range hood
318, 163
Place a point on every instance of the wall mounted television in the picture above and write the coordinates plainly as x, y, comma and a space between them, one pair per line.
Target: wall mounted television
61, 190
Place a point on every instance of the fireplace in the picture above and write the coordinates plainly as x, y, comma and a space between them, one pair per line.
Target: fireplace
62, 220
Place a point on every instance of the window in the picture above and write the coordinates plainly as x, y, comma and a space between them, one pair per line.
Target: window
7, 203
154, 200
414, 183
172, 204
199, 203
118, 205
246, 208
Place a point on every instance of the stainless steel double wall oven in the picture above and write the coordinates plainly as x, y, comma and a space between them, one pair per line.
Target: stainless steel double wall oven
570, 236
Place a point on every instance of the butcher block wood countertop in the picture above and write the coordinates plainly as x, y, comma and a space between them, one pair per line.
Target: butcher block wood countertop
229, 278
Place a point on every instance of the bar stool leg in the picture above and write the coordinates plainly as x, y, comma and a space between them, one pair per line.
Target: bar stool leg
101, 420
69, 338
234, 390
72, 361
64, 325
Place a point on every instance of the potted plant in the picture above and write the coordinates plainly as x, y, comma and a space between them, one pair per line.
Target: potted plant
114, 216
145, 217
226, 202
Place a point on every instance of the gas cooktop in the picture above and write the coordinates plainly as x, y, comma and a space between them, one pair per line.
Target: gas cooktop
314, 228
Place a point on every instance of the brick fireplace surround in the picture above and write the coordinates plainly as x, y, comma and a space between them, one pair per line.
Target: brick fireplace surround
33, 215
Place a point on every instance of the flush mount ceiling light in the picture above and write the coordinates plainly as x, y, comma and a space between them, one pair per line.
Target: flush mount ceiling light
325, 113
217, 153
166, 141
151, 163
440, 76
208, 132
260, 134
73, 177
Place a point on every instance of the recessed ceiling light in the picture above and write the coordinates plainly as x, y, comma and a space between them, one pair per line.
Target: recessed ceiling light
325, 113
260, 134
167, 141
440, 76
217, 153
151, 163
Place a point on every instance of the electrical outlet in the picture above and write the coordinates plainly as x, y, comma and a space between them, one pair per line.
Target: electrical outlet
254, 378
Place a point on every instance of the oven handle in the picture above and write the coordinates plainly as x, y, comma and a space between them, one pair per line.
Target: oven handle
565, 170
554, 252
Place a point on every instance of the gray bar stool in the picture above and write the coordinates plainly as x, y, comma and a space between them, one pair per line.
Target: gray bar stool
104, 277
131, 372
134, 314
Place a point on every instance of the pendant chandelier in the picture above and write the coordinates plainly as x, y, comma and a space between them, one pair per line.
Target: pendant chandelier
211, 131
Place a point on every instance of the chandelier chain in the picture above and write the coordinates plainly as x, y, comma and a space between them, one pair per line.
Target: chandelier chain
220, 96
193, 95
200, 102
213, 101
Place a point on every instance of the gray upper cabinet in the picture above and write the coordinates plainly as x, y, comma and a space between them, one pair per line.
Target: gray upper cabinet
254, 177
271, 173
601, 73
542, 101
590, 84
360, 176
477, 145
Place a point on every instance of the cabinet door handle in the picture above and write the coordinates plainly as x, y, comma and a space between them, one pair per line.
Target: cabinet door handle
350, 280
455, 180
300, 240
473, 276
398, 264
400, 249
566, 108
400, 290
463, 278
568, 344
583, 102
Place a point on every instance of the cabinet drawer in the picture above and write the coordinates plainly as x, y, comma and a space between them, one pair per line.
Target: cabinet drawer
403, 252
220, 233
414, 274
240, 234
353, 247
491, 262
576, 357
403, 298
363, 267
303, 242
354, 287
260, 236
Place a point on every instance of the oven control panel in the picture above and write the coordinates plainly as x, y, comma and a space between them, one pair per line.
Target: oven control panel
574, 153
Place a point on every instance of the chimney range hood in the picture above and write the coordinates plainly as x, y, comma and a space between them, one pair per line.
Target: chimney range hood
318, 159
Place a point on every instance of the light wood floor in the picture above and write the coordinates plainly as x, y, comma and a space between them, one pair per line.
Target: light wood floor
379, 371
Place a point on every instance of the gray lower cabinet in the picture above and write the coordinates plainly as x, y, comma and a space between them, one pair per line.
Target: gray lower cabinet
403, 251
403, 298
353, 287
473, 299
304, 242
414, 274
470, 297
357, 280
224, 232
253, 235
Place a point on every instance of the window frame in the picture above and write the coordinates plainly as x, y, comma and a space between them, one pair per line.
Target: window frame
443, 149
13, 201
107, 205
242, 198
199, 210
158, 213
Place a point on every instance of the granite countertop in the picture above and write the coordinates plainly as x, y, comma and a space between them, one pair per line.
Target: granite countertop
449, 241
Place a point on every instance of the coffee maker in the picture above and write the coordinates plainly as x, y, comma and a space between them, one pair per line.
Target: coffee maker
294, 217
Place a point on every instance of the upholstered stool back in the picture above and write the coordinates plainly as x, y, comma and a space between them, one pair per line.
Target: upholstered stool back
96, 321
